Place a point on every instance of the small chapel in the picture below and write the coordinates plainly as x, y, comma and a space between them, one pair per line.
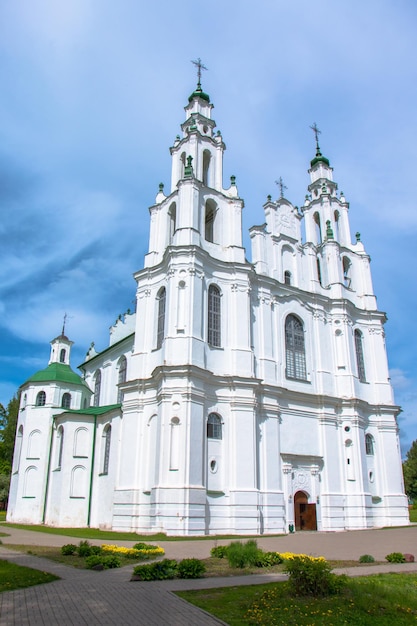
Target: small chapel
241, 397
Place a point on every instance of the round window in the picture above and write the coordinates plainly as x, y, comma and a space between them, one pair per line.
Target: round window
213, 465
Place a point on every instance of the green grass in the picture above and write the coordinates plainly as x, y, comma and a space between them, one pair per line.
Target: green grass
383, 599
2, 516
14, 576
105, 535
413, 515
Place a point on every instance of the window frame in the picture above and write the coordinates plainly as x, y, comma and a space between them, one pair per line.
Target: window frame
295, 353
214, 427
214, 317
160, 325
360, 359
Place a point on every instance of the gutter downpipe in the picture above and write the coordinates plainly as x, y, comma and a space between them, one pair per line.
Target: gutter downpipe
48, 471
93, 452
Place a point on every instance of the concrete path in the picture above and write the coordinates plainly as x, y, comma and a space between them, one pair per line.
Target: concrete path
87, 597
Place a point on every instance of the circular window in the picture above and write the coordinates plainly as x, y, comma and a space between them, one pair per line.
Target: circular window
213, 466
347, 429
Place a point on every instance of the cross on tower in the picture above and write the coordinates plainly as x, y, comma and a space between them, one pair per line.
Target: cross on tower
63, 325
316, 132
200, 66
281, 186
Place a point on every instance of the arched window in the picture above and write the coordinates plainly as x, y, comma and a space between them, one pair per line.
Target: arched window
106, 448
172, 220
337, 225
318, 271
97, 388
214, 426
209, 221
369, 445
60, 445
318, 228
206, 166
62, 355
66, 401
346, 272
160, 333
183, 161
122, 377
41, 399
359, 356
295, 357
214, 317
287, 277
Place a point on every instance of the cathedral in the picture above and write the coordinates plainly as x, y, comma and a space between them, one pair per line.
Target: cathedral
240, 397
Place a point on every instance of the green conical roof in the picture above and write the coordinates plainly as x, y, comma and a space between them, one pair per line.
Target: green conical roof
58, 372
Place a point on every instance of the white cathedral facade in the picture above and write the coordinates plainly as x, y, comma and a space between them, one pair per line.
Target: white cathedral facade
241, 397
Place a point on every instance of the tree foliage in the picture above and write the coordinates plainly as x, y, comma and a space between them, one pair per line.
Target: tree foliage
410, 472
8, 422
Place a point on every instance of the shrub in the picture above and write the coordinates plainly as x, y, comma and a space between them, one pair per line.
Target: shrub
395, 557
366, 558
242, 554
312, 577
190, 568
107, 562
162, 570
268, 559
144, 546
68, 549
84, 548
219, 552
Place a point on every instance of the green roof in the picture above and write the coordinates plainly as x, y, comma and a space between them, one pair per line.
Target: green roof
199, 93
57, 372
94, 410
319, 158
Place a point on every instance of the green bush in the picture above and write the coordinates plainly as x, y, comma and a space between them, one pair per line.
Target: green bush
395, 557
107, 562
312, 577
84, 548
219, 552
144, 546
268, 559
161, 570
190, 568
242, 554
68, 549
366, 558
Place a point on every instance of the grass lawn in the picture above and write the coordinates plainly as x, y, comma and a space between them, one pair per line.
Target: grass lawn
105, 535
383, 599
413, 515
17, 577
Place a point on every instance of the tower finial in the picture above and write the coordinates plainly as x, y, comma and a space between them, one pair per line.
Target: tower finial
316, 132
63, 325
200, 66
281, 186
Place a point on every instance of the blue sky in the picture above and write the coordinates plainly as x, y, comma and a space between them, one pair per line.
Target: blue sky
92, 96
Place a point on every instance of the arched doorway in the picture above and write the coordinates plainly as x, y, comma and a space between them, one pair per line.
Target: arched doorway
305, 513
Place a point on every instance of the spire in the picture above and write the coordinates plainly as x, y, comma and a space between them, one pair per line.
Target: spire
199, 93
319, 157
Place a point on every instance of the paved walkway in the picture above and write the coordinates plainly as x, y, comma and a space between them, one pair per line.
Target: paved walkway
87, 597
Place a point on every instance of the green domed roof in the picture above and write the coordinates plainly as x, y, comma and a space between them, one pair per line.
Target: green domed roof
58, 372
199, 93
319, 158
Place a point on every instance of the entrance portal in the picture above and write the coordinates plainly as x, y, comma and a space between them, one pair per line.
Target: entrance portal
305, 513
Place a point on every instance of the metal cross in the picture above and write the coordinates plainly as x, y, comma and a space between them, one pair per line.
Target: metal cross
200, 66
316, 132
63, 325
281, 186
